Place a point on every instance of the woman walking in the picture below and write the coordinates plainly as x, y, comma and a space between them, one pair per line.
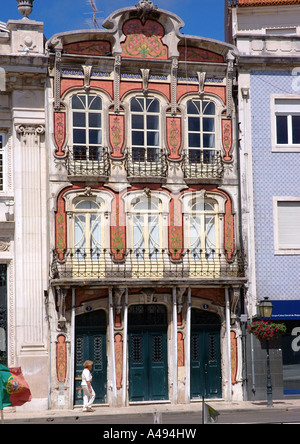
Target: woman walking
86, 384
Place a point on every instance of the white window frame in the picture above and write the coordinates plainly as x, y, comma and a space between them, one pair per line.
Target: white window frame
278, 250
4, 162
288, 108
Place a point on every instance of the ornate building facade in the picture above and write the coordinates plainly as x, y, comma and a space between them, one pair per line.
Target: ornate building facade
127, 208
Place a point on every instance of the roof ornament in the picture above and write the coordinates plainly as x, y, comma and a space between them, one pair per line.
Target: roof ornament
145, 7
25, 7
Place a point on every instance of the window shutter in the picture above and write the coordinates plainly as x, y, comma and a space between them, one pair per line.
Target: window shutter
289, 224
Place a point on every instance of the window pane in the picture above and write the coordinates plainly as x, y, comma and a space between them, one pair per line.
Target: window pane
282, 129
209, 108
95, 103
78, 102
137, 138
152, 155
153, 139
79, 152
95, 153
153, 122
195, 156
79, 136
137, 105
138, 154
194, 124
79, 119
296, 129
94, 120
209, 124
194, 140
95, 137
137, 122
193, 107
208, 140
152, 106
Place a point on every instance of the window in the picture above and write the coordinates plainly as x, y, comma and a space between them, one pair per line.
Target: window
201, 142
146, 226
287, 124
87, 228
2, 163
145, 129
87, 127
287, 225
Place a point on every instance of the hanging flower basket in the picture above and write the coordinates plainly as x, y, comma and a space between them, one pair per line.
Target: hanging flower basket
266, 331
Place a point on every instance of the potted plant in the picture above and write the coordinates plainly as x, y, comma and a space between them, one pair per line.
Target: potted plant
266, 331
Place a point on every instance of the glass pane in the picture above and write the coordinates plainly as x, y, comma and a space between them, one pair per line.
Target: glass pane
296, 129
95, 153
137, 122
153, 122
137, 138
78, 102
208, 140
79, 152
95, 137
282, 129
152, 105
94, 120
153, 139
194, 124
193, 107
194, 156
86, 205
152, 155
79, 136
208, 108
138, 154
137, 105
95, 103
208, 124
79, 119
194, 140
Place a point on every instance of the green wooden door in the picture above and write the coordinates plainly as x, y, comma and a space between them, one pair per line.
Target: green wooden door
148, 363
206, 379
90, 343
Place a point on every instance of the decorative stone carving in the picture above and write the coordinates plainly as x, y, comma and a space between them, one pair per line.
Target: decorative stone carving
25, 7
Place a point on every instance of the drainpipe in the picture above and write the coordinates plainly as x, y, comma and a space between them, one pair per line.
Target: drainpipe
227, 302
125, 332
188, 349
175, 376
112, 349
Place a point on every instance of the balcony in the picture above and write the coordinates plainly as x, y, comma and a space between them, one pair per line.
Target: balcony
146, 163
207, 164
88, 161
140, 264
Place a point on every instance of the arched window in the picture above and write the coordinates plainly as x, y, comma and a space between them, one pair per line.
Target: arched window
201, 143
88, 227
146, 227
87, 121
145, 129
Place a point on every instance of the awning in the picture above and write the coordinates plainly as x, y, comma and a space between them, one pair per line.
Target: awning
286, 310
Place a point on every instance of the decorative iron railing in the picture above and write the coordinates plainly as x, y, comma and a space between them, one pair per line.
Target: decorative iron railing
88, 161
203, 164
147, 264
141, 163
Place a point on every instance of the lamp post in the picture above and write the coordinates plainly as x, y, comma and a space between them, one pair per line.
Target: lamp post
25, 7
265, 309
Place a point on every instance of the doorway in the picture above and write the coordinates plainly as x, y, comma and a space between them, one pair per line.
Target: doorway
206, 376
90, 344
148, 356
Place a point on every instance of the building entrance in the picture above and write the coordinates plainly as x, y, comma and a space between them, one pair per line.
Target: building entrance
90, 344
148, 360
206, 378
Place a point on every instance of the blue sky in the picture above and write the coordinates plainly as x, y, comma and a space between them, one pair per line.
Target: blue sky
202, 17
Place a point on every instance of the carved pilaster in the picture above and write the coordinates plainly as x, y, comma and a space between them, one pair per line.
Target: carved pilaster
174, 78
117, 80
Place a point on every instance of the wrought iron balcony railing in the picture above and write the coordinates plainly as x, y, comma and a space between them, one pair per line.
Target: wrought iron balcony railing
146, 163
88, 161
147, 264
203, 164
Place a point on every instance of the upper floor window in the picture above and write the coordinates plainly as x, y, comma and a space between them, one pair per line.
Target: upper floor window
2, 163
87, 121
145, 129
286, 134
287, 225
201, 143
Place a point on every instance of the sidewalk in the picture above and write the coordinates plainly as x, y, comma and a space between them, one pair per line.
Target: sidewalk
220, 406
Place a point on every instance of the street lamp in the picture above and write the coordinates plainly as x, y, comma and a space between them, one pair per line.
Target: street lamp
265, 309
